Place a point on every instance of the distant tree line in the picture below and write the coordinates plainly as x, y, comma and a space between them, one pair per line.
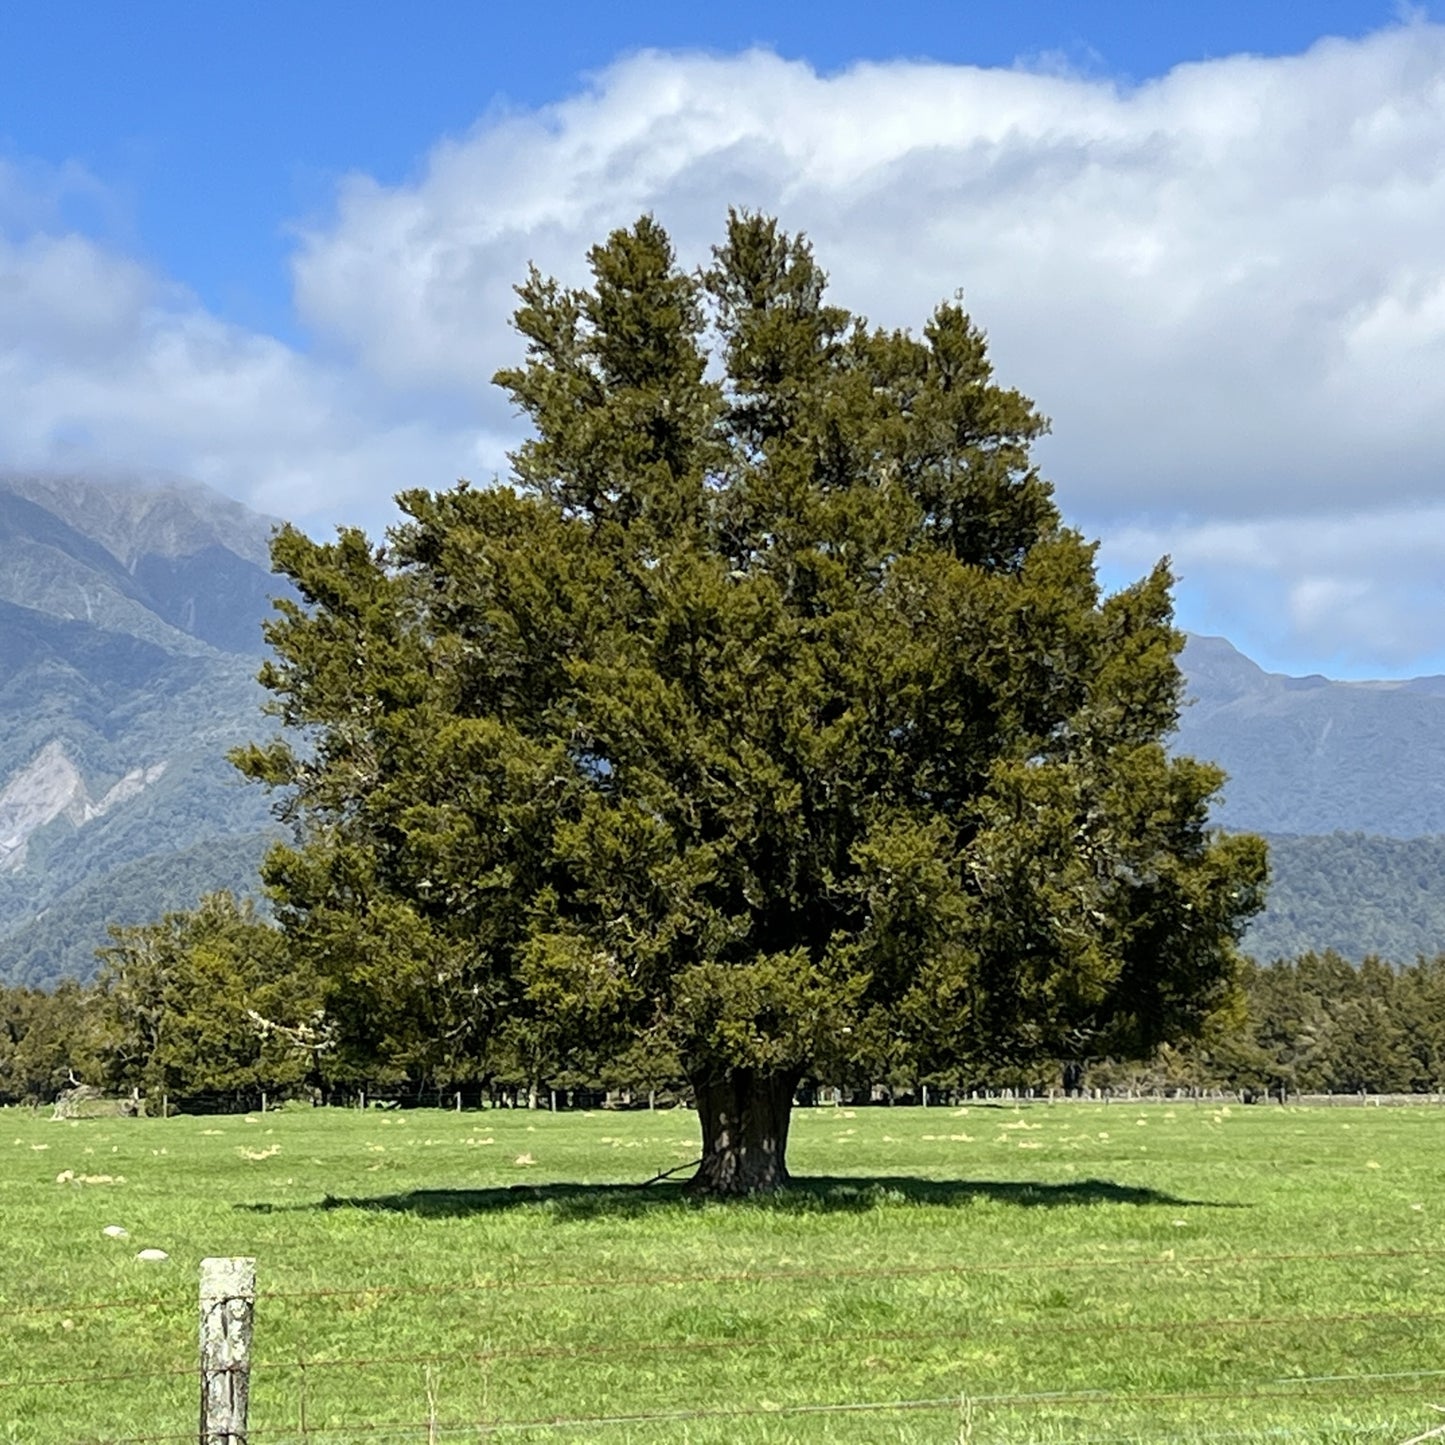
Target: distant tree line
172, 1011
1318, 1024
205, 1006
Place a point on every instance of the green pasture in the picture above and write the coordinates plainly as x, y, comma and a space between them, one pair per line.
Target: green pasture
1065, 1273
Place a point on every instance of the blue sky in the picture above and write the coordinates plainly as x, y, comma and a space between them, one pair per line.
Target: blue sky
213, 127
269, 247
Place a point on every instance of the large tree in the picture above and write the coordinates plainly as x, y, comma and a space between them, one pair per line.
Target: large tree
769, 716
203, 1001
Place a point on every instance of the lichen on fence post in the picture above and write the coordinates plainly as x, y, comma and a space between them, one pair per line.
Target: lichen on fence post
228, 1298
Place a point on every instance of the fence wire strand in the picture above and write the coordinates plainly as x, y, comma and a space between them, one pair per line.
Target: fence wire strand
1337, 1387
855, 1272
756, 1410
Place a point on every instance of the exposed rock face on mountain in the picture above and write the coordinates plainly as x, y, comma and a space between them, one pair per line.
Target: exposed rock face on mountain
51, 787
130, 634
1307, 755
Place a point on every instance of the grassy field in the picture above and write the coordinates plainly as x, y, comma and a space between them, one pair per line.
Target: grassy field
1065, 1273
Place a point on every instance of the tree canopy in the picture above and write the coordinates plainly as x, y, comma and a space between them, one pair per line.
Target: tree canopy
200, 1001
767, 718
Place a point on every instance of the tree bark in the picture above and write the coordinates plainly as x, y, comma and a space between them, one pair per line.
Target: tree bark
744, 1117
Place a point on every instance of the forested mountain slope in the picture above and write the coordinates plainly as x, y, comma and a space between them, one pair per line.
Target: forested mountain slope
1354, 893
129, 640
1307, 755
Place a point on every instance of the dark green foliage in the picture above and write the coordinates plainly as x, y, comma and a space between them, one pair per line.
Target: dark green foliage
183, 1006
770, 717
47, 1041
201, 1002
1313, 1024
1316, 1024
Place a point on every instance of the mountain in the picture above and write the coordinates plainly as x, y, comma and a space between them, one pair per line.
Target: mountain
162, 563
61, 940
130, 635
1307, 756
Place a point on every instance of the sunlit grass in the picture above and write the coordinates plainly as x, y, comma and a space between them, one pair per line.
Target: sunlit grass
1066, 1272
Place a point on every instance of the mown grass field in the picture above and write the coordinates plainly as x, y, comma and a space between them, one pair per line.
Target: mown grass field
1067, 1272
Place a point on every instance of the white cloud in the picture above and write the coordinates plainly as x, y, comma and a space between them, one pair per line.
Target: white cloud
33, 194
1355, 593
104, 364
69, 301
1225, 286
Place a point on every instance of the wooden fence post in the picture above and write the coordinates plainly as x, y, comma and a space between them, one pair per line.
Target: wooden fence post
228, 1297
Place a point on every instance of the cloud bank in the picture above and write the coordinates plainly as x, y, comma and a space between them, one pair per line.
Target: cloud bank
1226, 287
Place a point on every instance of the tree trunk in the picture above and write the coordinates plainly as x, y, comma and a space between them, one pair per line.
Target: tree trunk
744, 1117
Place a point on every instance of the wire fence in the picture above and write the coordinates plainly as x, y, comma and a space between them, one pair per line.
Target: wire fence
312, 1393
1365, 1388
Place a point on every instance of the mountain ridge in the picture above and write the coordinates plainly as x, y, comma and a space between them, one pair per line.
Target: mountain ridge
1310, 755
127, 558
132, 515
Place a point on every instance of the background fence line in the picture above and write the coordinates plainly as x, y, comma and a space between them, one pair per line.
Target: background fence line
96, 1104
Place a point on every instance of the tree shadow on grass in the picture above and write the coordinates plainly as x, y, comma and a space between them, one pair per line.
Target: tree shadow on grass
817, 1195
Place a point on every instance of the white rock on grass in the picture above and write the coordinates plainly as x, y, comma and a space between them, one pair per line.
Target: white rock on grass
151, 1256
115, 1231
